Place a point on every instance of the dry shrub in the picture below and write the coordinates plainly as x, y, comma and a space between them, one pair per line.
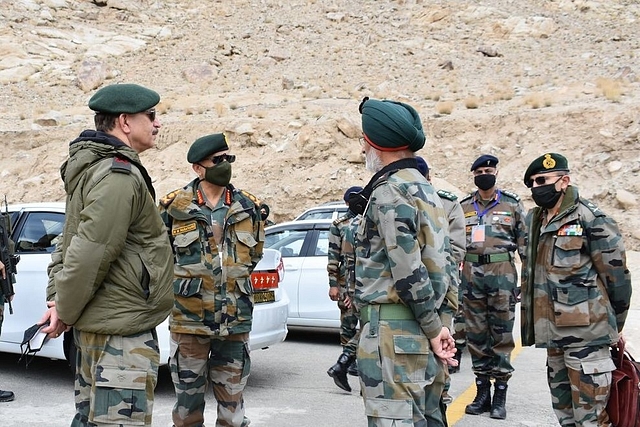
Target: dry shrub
444, 107
534, 100
609, 88
221, 109
472, 102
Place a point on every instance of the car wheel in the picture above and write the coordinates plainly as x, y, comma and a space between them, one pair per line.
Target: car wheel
70, 350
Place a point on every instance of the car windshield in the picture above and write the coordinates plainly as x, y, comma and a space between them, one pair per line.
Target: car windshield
288, 242
318, 214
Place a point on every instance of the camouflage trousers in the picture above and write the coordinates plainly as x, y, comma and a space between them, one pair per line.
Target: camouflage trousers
198, 360
459, 325
115, 379
349, 332
401, 379
489, 310
580, 380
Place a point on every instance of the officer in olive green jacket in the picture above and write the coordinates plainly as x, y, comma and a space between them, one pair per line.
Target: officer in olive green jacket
577, 292
218, 236
110, 277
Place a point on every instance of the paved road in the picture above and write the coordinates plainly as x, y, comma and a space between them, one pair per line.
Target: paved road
289, 387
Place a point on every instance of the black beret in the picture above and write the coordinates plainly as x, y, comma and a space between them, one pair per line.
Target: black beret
354, 189
391, 125
486, 161
549, 162
206, 146
423, 167
123, 98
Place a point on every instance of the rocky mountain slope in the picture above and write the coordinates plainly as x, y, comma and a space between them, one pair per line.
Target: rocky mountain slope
284, 79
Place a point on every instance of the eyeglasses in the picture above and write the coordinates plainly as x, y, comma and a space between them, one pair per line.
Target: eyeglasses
151, 114
542, 180
221, 158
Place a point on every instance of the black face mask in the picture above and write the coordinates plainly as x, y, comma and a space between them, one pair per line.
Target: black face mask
546, 196
484, 181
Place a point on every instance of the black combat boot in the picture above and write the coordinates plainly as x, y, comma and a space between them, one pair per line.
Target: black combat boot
6, 396
353, 368
458, 357
482, 401
498, 410
339, 371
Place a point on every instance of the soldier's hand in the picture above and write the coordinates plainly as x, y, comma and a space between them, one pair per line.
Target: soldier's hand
347, 301
56, 326
334, 293
443, 345
4, 273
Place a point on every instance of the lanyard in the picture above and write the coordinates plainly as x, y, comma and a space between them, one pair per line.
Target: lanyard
495, 202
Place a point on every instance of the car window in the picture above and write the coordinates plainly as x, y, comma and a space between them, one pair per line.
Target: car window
40, 232
288, 242
322, 248
317, 215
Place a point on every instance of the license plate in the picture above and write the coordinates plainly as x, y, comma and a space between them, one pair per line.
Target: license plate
264, 296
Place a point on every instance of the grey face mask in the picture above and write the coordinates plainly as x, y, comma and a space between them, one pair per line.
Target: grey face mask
219, 174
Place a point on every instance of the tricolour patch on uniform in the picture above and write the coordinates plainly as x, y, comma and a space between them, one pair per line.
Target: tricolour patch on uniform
570, 230
184, 229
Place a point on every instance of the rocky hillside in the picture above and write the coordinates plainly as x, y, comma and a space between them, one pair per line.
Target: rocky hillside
284, 79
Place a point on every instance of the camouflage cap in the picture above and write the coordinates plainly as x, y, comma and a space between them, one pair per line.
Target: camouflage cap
549, 162
123, 98
206, 146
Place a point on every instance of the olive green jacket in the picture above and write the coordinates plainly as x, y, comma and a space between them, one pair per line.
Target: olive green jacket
112, 271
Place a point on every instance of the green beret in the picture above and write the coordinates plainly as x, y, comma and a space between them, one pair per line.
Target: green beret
205, 146
123, 98
549, 162
391, 126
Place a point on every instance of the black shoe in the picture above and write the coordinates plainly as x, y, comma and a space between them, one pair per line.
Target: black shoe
353, 369
339, 372
6, 396
482, 401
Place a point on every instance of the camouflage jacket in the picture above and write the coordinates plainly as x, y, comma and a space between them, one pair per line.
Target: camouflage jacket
341, 263
109, 274
455, 216
578, 288
402, 248
213, 293
503, 220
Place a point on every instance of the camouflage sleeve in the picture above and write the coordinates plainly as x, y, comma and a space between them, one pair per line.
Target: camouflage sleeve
333, 264
521, 231
398, 226
258, 230
449, 306
457, 232
609, 259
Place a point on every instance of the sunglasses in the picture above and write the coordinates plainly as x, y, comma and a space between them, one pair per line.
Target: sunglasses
151, 114
219, 159
542, 180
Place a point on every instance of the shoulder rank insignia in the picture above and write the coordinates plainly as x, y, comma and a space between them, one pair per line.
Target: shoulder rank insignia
467, 197
342, 218
595, 210
251, 197
120, 165
447, 195
510, 194
166, 200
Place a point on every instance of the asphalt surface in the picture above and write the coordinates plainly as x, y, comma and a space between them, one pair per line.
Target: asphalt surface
289, 386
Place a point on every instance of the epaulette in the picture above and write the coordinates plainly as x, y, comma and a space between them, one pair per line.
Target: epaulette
447, 195
592, 207
251, 197
343, 218
168, 199
510, 194
467, 197
120, 165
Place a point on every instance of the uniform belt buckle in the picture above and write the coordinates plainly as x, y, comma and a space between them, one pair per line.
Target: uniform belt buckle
484, 259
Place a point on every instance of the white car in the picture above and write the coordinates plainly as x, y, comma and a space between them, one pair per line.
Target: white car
330, 210
304, 246
36, 227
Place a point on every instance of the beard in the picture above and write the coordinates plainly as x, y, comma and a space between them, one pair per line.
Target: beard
372, 161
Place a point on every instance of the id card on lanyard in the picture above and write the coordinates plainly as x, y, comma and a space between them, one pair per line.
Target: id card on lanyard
478, 234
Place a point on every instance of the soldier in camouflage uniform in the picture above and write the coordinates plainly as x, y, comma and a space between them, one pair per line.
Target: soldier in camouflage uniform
5, 395
458, 239
217, 236
495, 230
341, 268
402, 274
110, 276
576, 292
